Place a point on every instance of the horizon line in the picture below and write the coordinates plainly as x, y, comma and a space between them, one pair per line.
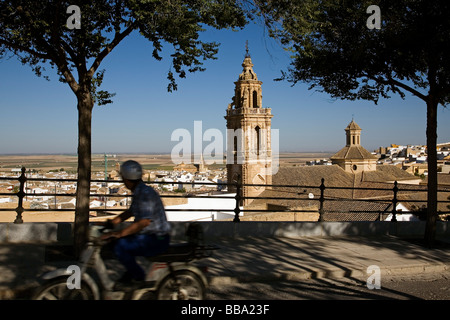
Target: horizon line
132, 153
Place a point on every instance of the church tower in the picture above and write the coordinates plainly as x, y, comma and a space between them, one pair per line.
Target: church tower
353, 157
249, 152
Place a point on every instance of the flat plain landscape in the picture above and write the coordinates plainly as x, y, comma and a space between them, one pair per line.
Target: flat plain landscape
47, 162
68, 162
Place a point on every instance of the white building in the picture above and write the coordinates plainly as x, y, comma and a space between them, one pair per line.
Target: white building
403, 214
227, 204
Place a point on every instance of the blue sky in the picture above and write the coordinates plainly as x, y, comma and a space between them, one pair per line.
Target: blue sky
39, 116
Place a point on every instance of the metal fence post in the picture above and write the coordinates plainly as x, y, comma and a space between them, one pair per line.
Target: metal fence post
237, 210
394, 203
21, 194
321, 199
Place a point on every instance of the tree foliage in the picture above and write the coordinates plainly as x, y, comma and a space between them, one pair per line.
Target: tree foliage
42, 33
336, 52
36, 32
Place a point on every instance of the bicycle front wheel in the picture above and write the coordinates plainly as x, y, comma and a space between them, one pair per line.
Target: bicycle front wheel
57, 289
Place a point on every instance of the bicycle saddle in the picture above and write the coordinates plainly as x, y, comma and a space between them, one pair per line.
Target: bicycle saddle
176, 252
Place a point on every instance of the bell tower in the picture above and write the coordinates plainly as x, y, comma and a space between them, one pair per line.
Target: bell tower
353, 134
249, 151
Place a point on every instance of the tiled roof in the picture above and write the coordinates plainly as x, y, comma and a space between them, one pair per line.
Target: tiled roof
334, 176
442, 178
312, 175
349, 207
351, 216
387, 173
351, 210
353, 152
353, 126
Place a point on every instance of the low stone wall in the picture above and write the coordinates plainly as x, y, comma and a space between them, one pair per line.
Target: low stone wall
62, 232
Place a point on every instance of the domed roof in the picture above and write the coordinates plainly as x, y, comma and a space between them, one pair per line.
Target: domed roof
353, 126
248, 73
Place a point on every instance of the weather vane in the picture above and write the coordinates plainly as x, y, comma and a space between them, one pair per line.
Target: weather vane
246, 48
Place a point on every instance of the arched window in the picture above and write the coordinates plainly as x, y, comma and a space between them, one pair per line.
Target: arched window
258, 139
255, 99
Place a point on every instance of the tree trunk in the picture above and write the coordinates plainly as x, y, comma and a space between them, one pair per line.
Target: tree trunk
430, 228
81, 226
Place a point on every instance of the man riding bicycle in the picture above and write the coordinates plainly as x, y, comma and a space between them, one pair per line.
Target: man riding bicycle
149, 234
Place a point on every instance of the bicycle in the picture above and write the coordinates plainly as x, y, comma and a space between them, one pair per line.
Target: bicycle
170, 276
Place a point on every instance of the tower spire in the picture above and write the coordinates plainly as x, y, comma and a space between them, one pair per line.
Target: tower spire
247, 55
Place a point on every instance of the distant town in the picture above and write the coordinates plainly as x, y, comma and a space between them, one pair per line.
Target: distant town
183, 178
273, 186
411, 158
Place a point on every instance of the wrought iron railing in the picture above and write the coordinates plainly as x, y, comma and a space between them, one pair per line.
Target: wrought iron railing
391, 197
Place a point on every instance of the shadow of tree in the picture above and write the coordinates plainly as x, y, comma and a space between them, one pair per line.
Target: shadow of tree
20, 265
319, 289
286, 260
256, 259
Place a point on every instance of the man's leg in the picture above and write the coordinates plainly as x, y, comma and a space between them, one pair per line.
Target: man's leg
154, 245
126, 250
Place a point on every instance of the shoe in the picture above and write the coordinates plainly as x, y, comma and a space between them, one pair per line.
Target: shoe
127, 286
127, 283
126, 277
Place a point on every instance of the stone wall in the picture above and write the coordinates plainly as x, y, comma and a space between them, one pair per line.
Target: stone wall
62, 232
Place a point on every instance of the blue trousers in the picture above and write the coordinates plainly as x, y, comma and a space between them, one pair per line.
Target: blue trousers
147, 245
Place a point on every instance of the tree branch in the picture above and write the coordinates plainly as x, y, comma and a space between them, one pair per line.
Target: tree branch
69, 50
64, 69
117, 39
392, 82
34, 53
408, 88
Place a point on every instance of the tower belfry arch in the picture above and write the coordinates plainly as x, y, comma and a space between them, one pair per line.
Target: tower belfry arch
249, 151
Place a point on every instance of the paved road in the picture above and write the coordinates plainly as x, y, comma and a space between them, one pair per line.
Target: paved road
429, 286
281, 265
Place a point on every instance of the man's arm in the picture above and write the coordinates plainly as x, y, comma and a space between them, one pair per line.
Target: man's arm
122, 217
133, 228
111, 223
